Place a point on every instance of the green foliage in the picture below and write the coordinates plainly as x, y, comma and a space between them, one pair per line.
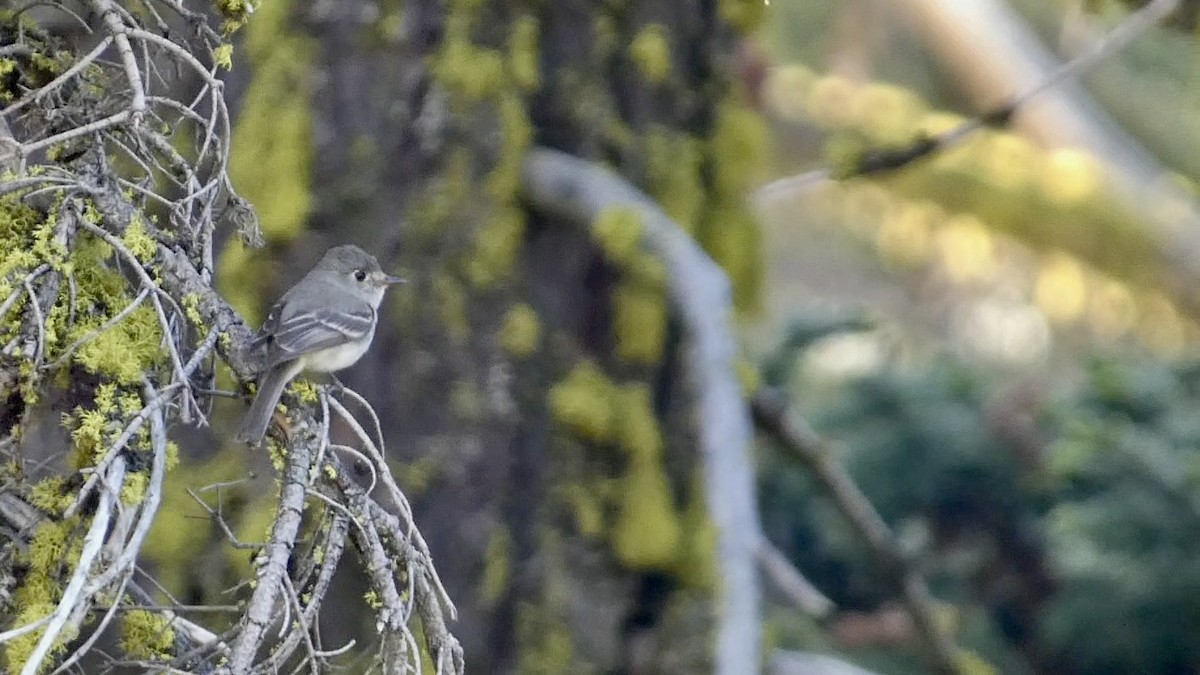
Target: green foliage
1096, 534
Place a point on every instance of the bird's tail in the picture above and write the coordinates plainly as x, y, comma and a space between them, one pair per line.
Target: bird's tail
270, 388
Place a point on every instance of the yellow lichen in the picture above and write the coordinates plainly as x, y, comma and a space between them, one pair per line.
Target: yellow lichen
638, 433
51, 495
651, 51
744, 15
697, 564
523, 53
124, 351
520, 330
583, 402
140, 244
468, 71
223, 56
134, 489
647, 532
640, 323
618, 230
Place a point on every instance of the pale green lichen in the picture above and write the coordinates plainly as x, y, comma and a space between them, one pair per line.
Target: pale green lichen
523, 53
140, 244
223, 56
147, 635
520, 330
745, 15
583, 402
618, 231
651, 52
468, 71
639, 322
674, 173
647, 532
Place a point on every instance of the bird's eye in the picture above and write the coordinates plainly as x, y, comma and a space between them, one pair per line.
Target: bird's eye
360, 275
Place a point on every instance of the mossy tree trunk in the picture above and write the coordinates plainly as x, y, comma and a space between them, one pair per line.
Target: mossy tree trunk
527, 378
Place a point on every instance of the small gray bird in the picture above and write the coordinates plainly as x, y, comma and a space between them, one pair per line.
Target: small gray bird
322, 324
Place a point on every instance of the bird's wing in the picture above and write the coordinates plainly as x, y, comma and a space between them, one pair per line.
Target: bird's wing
296, 334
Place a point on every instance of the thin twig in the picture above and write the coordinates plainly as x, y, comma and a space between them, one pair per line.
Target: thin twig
793, 434
889, 160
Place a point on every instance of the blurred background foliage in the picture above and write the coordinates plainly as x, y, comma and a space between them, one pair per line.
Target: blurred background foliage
994, 339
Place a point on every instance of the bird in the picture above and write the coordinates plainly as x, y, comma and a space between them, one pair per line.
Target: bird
324, 323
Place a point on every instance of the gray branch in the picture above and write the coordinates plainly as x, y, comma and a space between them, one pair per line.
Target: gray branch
577, 190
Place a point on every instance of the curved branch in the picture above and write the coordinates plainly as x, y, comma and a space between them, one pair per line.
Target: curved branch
579, 191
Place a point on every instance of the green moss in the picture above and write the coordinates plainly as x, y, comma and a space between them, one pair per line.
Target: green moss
651, 53
442, 198
638, 433
520, 330
497, 566
618, 231
416, 476
583, 402
147, 635
639, 323
18, 650
523, 53
48, 548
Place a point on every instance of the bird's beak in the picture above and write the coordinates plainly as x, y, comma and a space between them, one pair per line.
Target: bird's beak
389, 280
